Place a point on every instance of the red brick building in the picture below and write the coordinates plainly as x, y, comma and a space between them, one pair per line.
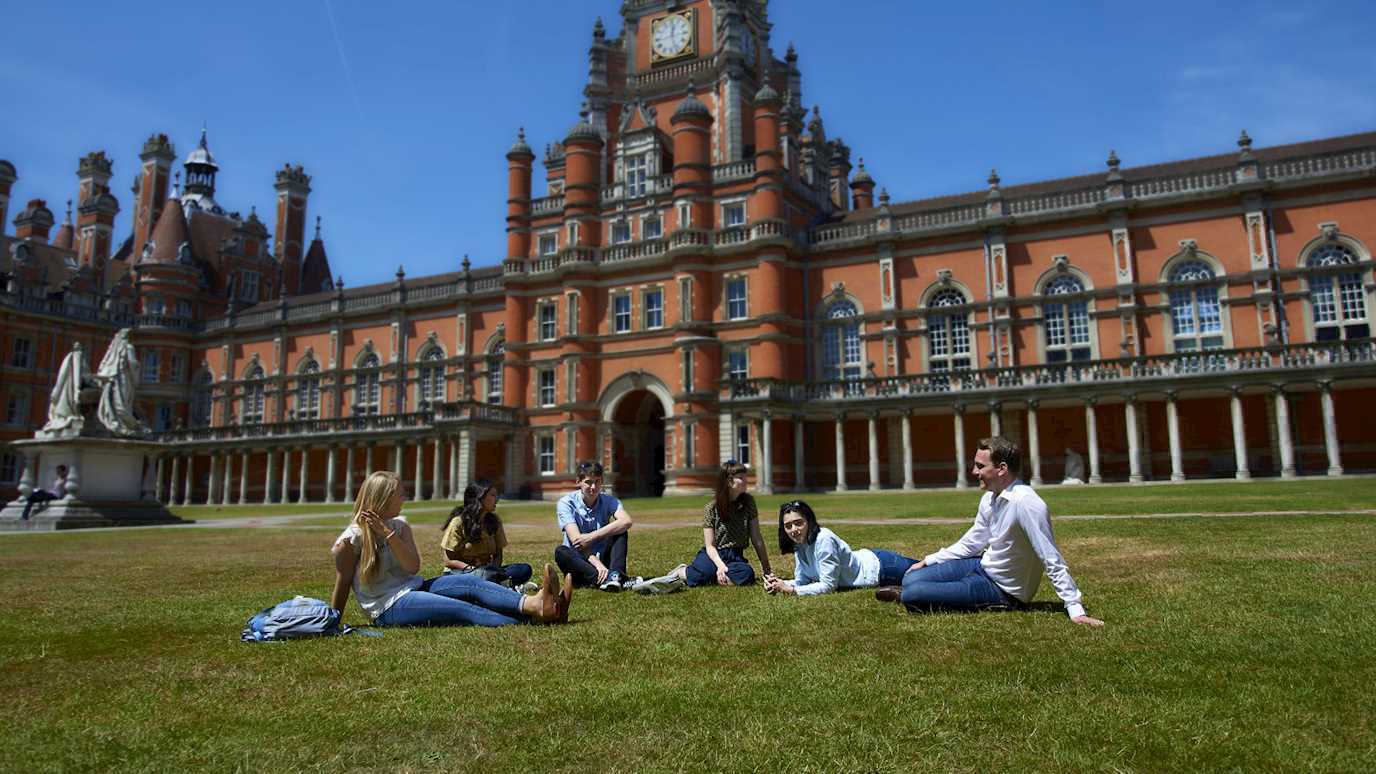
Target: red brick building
705, 275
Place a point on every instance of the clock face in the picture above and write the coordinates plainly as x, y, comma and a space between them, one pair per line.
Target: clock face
672, 35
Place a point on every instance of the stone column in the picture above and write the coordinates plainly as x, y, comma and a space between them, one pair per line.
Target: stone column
157, 480
243, 477
1173, 428
874, 450
228, 484
1134, 441
212, 483
284, 494
840, 452
1330, 428
1034, 443
468, 448
958, 419
418, 482
301, 475
187, 481
454, 492
1239, 436
766, 483
1287, 446
1092, 436
995, 418
398, 457
368, 460
907, 421
331, 455
174, 483
799, 453
349, 473
269, 475
437, 474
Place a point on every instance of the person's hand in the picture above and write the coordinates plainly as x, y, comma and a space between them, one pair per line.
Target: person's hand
1085, 620
580, 541
771, 583
917, 566
722, 578
375, 524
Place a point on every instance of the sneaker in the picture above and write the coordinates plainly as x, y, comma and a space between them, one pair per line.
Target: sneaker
664, 584
612, 583
529, 587
888, 593
630, 582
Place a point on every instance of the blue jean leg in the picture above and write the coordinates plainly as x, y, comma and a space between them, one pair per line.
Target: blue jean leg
892, 566
518, 573
455, 600
955, 585
703, 572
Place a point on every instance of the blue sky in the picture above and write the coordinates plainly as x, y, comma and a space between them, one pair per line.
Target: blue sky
402, 112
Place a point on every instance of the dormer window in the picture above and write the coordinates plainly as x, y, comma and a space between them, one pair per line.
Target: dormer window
248, 286
637, 173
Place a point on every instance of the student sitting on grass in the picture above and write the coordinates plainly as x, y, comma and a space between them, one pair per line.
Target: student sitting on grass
376, 556
473, 539
728, 522
823, 563
594, 525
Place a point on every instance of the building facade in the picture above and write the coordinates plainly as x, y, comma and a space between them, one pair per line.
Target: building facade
704, 275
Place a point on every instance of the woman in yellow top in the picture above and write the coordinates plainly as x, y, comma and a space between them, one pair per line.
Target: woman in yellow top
473, 538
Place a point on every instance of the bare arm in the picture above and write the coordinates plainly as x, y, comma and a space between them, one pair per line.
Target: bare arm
452, 560
345, 564
709, 542
757, 540
621, 522
403, 545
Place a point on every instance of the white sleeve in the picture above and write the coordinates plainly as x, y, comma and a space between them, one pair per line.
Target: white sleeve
828, 569
970, 545
1036, 523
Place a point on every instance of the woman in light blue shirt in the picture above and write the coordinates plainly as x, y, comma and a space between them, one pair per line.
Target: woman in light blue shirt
824, 563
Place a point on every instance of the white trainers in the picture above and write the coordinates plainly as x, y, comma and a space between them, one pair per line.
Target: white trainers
665, 584
529, 587
612, 583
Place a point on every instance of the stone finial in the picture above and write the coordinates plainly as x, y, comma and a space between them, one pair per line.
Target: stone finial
883, 197
68, 221
177, 183
994, 180
401, 273
599, 32
94, 164
465, 264
1243, 141
317, 227
339, 284
1113, 162
791, 56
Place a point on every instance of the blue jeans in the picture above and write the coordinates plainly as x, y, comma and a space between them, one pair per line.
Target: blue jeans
892, 566
955, 585
703, 571
516, 574
455, 600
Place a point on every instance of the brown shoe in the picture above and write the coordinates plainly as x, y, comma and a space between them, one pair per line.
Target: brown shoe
550, 578
545, 605
565, 598
888, 593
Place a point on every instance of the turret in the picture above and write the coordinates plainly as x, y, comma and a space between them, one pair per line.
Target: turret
518, 174
199, 188
7, 178
862, 188
838, 172
34, 222
96, 210
150, 190
583, 182
66, 233
293, 186
692, 137
769, 172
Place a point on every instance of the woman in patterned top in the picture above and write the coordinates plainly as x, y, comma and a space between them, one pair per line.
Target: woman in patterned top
729, 522
473, 538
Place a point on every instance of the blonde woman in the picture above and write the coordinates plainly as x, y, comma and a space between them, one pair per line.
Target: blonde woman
376, 558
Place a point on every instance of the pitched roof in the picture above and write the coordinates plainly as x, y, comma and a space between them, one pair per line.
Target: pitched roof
168, 234
315, 270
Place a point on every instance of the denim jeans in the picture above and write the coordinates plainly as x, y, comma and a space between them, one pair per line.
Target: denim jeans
455, 600
703, 571
955, 585
892, 566
516, 574
613, 556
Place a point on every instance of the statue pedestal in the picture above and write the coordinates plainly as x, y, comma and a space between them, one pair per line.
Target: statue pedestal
109, 484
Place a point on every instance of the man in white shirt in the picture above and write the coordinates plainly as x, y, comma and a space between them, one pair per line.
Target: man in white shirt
1000, 560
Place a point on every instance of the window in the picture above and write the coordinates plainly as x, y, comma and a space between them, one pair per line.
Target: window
1195, 319
22, 357
735, 298
573, 234
546, 394
571, 380
743, 443
571, 304
688, 433
151, 365
253, 396
178, 374
549, 244
248, 286
200, 399
651, 227
17, 407
948, 334
685, 299
154, 306
430, 384
308, 391
368, 386
621, 232
163, 418
841, 354
184, 309
637, 168
545, 454
1066, 323
548, 322
737, 366
688, 370
685, 216
494, 371
10, 466
1338, 301
733, 214
621, 312
654, 308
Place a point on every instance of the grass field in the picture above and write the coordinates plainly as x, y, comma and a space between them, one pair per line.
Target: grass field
1233, 643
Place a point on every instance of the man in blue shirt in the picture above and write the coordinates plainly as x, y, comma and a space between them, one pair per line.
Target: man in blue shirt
594, 525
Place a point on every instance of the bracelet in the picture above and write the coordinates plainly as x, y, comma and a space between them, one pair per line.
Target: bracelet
389, 536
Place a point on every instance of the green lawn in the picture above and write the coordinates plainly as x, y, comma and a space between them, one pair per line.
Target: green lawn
1236, 643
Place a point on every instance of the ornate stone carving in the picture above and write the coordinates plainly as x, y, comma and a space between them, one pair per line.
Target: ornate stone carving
1190, 247
1329, 231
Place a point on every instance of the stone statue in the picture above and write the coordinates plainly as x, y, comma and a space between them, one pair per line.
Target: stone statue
118, 377
64, 405
1074, 467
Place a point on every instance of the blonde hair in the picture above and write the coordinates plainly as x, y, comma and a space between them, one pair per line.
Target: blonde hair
373, 495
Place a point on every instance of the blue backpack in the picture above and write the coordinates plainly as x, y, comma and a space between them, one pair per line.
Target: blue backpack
293, 619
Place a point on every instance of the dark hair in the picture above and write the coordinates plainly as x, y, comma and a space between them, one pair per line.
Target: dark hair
1003, 452
475, 522
725, 504
786, 545
589, 469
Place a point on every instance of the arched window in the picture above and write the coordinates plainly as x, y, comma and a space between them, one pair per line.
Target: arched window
841, 353
368, 386
1338, 300
430, 384
948, 333
495, 357
253, 396
308, 391
1196, 320
200, 399
1066, 323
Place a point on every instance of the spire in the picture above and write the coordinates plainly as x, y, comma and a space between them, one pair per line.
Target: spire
520, 147
599, 33
993, 180
1244, 144
317, 228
